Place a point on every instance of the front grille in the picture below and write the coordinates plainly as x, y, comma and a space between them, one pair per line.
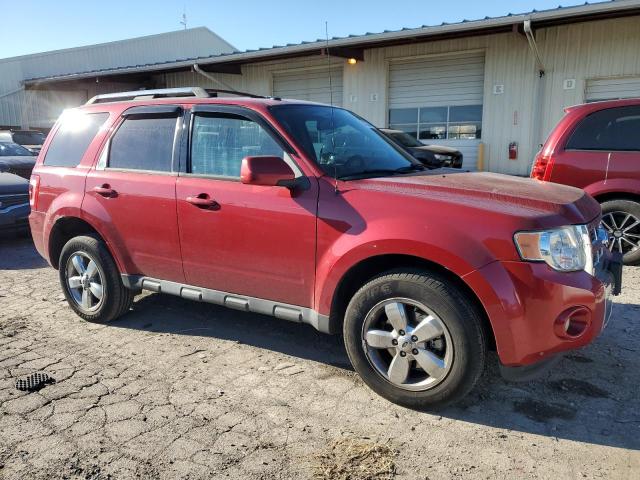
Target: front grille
7, 201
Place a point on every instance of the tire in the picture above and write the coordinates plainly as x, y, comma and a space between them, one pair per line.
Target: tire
115, 298
617, 210
461, 362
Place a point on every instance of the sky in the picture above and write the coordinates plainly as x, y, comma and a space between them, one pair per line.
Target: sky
31, 26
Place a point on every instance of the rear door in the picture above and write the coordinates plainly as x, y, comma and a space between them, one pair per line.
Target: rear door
131, 191
257, 241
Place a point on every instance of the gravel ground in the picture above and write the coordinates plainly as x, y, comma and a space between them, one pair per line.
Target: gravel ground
186, 390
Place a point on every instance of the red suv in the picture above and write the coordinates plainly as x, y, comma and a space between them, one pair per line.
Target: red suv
596, 146
308, 213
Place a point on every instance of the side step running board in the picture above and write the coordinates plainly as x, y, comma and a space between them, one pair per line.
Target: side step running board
293, 313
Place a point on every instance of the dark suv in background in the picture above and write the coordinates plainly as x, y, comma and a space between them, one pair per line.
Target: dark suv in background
431, 156
32, 140
596, 146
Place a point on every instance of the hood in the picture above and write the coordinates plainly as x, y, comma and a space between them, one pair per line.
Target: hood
547, 204
442, 149
11, 184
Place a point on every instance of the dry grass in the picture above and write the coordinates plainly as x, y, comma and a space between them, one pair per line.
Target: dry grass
355, 459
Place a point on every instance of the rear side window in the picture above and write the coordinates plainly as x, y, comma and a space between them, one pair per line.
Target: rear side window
613, 129
76, 131
144, 143
221, 141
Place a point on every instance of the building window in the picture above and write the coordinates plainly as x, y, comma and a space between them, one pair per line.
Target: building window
455, 122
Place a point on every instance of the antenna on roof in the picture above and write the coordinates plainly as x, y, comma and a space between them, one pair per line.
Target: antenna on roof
333, 140
183, 22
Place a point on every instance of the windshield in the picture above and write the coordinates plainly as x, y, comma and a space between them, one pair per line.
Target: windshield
13, 150
29, 138
405, 139
341, 143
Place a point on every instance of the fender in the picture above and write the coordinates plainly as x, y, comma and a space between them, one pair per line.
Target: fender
98, 217
438, 241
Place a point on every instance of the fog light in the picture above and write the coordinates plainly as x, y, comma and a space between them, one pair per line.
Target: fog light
572, 323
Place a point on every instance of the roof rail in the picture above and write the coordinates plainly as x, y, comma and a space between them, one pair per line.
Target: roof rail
214, 91
148, 94
198, 92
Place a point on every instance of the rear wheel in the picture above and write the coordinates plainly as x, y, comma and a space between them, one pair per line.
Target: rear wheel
91, 281
415, 339
621, 218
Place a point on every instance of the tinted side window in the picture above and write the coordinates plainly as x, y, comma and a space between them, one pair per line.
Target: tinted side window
610, 129
221, 141
73, 137
144, 143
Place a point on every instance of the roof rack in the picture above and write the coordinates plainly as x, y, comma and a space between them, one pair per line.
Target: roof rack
197, 92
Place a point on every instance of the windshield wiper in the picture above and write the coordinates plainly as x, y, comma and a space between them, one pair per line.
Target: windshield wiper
383, 171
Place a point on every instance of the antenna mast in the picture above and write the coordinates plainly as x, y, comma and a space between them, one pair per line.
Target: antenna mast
183, 22
333, 140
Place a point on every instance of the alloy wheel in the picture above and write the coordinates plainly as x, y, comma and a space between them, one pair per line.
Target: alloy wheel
624, 231
407, 344
84, 281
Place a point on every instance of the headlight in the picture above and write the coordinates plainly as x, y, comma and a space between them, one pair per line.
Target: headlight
566, 249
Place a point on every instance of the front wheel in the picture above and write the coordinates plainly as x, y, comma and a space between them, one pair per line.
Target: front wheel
415, 339
91, 281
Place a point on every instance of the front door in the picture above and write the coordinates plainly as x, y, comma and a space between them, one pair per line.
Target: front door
257, 241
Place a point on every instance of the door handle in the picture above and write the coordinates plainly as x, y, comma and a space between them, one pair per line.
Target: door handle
105, 190
203, 201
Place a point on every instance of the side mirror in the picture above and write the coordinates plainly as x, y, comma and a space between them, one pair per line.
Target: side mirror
267, 170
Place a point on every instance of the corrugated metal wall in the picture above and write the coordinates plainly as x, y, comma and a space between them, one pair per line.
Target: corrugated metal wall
143, 50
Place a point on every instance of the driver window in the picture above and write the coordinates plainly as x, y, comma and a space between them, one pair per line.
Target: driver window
220, 141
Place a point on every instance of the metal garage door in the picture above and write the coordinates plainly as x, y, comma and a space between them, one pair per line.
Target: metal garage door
310, 84
439, 100
612, 88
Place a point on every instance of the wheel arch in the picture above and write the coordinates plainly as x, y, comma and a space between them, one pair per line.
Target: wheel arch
607, 196
363, 271
64, 229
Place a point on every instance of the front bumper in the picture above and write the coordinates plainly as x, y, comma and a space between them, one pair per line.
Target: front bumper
527, 302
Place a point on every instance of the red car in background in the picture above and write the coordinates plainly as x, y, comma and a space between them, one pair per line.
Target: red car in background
596, 146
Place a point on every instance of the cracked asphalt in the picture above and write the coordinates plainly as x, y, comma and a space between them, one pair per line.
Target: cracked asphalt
177, 389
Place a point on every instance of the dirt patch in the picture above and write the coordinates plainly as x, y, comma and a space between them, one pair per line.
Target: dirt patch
356, 459
579, 387
542, 411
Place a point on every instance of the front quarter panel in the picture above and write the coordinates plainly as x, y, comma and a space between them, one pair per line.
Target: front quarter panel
355, 225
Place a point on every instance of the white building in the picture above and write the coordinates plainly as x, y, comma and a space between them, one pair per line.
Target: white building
477, 85
39, 108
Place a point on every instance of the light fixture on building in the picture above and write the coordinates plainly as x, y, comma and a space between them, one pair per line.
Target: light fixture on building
352, 61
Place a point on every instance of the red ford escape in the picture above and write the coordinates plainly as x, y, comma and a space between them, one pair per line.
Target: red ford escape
308, 213
596, 146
